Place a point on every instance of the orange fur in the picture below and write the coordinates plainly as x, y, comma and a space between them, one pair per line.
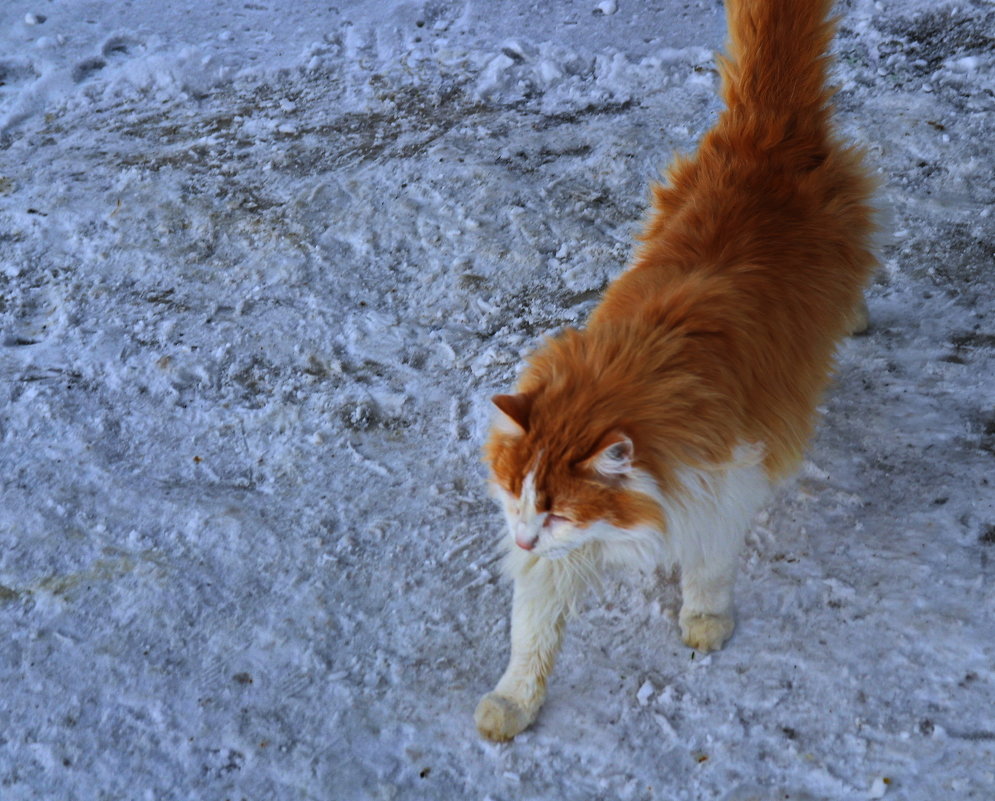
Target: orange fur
750, 271
722, 333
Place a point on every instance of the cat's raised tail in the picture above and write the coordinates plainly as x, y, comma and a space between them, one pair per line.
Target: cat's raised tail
774, 76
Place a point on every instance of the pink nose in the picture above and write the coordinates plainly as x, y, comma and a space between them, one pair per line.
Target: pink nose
525, 540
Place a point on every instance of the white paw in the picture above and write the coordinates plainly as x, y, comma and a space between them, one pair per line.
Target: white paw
499, 718
706, 632
860, 319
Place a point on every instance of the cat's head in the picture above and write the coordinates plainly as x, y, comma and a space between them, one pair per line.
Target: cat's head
565, 482
596, 442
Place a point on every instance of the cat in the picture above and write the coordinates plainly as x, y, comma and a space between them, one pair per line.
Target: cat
653, 435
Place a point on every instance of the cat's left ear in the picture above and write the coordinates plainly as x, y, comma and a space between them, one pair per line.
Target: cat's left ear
516, 410
613, 455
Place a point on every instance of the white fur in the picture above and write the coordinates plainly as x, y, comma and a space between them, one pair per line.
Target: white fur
706, 524
706, 532
616, 459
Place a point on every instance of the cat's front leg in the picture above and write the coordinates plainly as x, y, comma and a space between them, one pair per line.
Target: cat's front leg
538, 618
706, 618
708, 541
709, 561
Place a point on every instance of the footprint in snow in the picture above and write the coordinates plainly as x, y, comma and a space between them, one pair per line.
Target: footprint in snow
13, 72
86, 68
115, 47
121, 45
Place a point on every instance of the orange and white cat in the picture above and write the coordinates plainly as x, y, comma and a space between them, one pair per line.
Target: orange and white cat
654, 434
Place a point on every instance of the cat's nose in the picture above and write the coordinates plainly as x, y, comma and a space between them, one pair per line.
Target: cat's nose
524, 538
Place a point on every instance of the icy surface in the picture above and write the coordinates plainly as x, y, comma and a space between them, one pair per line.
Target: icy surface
261, 266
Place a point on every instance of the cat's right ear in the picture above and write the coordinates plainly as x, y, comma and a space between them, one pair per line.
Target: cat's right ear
515, 411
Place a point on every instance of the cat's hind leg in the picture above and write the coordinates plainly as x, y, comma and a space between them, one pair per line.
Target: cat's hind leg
860, 319
544, 592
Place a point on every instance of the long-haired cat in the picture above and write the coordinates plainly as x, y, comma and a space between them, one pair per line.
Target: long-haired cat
653, 435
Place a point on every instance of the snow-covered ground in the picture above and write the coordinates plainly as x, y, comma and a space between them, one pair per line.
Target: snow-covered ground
262, 264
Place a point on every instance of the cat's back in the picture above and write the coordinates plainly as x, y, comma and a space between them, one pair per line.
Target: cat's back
759, 246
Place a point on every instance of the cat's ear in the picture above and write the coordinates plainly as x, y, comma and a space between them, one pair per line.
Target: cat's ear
515, 411
613, 455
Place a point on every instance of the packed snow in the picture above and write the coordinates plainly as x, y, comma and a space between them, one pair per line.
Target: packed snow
262, 266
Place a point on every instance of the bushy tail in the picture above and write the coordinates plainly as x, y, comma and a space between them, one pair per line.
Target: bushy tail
774, 78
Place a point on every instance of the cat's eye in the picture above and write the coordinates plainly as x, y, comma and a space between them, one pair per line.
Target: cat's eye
553, 520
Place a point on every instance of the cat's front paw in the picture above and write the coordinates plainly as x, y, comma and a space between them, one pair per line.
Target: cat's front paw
499, 718
705, 632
